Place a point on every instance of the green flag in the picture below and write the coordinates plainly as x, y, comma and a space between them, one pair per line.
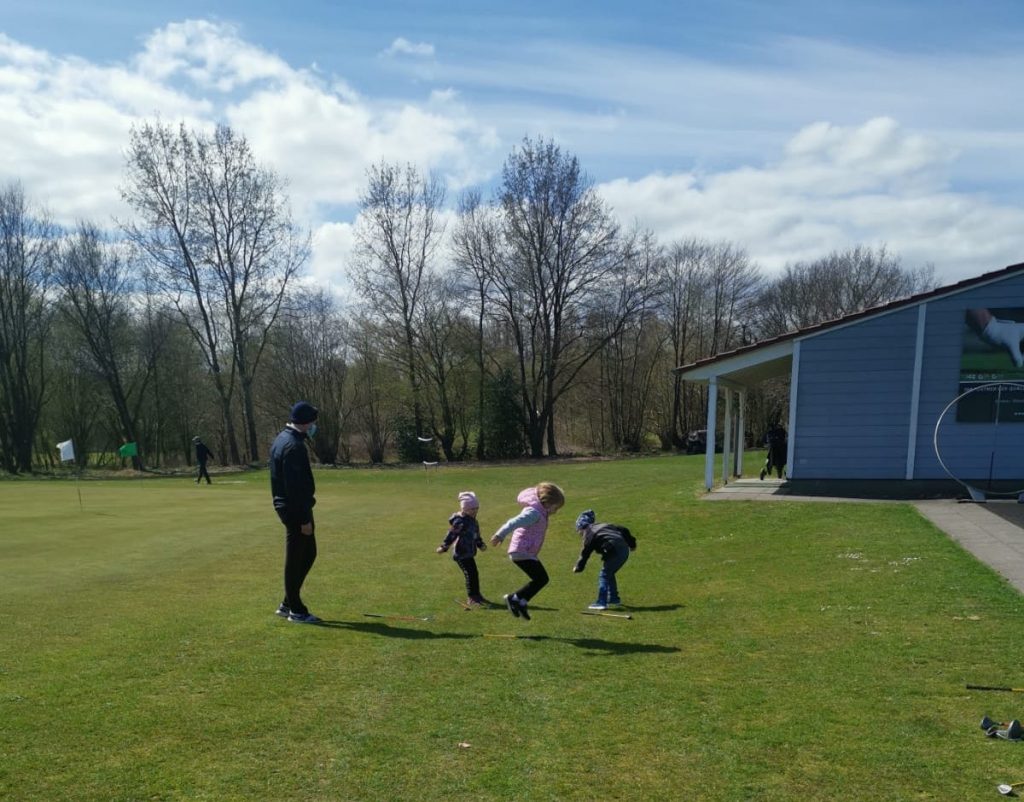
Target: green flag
129, 450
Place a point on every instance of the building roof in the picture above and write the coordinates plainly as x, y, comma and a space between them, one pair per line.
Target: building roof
771, 357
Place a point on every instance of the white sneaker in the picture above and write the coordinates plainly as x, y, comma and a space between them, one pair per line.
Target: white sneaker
597, 606
299, 618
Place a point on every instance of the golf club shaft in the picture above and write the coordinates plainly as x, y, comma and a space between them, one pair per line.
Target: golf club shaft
993, 688
607, 615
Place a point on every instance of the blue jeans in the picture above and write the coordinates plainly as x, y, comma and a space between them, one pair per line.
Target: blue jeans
607, 587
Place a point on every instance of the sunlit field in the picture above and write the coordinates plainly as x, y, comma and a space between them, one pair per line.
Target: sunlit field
777, 651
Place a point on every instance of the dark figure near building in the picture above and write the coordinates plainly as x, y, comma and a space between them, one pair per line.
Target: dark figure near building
202, 455
778, 445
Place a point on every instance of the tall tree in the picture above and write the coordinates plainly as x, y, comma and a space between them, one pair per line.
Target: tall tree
309, 359
708, 296
442, 356
843, 282
219, 232
97, 285
564, 256
630, 361
375, 397
478, 249
27, 246
397, 234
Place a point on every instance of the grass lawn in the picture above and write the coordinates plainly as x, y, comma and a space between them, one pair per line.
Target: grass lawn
778, 651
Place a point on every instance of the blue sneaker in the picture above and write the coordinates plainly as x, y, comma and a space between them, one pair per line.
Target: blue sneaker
303, 618
283, 611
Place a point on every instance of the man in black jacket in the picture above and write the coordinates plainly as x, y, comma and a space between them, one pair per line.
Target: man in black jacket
202, 454
293, 489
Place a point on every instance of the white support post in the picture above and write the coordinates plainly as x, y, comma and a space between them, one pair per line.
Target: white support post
741, 436
709, 449
727, 438
794, 388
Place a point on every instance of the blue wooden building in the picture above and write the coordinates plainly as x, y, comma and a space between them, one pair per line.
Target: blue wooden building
867, 390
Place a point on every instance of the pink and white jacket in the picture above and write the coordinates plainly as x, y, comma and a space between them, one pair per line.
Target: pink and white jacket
528, 527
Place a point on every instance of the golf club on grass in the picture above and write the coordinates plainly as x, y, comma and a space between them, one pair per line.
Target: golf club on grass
398, 617
607, 615
1007, 789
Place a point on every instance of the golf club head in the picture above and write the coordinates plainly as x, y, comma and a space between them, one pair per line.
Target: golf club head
1005, 790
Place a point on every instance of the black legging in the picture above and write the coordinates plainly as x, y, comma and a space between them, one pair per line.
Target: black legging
299, 556
538, 578
468, 566
203, 473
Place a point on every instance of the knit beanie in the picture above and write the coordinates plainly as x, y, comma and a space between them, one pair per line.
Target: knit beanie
303, 412
468, 501
585, 519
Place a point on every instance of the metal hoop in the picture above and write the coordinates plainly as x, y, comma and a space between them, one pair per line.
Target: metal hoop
976, 494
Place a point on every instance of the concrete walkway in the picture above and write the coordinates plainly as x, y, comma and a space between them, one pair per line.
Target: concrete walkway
993, 532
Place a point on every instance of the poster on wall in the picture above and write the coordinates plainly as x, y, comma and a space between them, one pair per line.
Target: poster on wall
992, 353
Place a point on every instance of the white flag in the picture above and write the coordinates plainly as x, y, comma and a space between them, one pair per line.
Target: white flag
67, 450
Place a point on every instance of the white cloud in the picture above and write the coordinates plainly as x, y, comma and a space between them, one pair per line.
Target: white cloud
67, 120
691, 136
403, 47
834, 187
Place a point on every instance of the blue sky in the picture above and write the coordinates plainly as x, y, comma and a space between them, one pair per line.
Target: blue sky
790, 128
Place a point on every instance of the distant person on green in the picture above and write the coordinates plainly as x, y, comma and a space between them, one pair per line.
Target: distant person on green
202, 455
293, 489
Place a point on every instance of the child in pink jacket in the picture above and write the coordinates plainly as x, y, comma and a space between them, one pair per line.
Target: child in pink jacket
528, 529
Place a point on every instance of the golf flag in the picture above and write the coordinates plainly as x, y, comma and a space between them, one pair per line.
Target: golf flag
129, 450
67, 450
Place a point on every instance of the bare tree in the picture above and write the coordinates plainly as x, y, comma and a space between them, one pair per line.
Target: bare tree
478, 248
709, 292
309, 359
375, 397
97, 283
443, 335
630, 360
27, 245
564, 257
218, 230
398, 232
807, 293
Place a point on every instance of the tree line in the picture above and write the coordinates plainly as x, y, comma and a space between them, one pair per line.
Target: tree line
525, 323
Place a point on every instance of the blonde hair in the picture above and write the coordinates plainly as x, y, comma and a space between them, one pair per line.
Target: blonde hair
550, 495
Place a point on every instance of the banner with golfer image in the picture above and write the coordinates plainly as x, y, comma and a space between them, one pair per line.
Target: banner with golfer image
992, 353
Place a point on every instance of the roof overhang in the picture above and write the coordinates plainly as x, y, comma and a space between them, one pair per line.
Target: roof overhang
746, 369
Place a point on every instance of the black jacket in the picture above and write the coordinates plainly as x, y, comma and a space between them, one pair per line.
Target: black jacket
464, 532
291, 478
604, 538
202, 453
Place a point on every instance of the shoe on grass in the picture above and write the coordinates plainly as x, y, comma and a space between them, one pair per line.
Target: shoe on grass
597, 606
522, 609
283, 611
1014, 731
303, 618
513, 604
